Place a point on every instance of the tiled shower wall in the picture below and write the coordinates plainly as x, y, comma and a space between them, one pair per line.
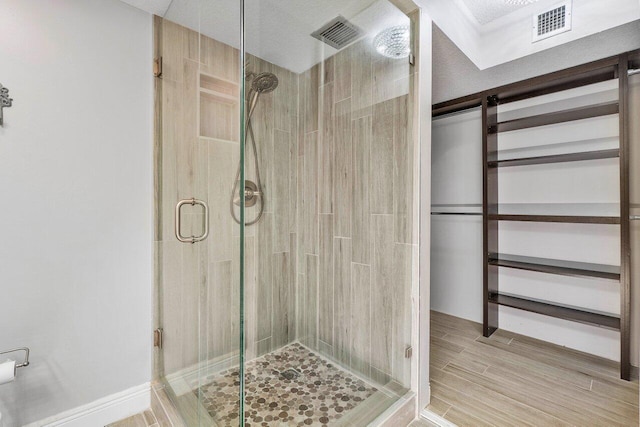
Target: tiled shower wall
332, 260
198, 284
270, 245
357, 233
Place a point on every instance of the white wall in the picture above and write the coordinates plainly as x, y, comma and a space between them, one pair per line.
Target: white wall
457, 240
76, 212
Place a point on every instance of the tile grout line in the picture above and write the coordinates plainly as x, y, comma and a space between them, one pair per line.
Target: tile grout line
447, 411
154, 417
162, 407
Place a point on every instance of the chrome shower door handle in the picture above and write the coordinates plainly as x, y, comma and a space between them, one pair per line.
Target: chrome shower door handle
191, 239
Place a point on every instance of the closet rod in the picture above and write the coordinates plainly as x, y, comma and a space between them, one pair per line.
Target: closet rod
457, 213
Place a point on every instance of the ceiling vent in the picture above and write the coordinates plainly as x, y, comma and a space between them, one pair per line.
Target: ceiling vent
337, 33
552, 22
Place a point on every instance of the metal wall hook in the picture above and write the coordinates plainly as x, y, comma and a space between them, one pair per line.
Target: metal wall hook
5, 101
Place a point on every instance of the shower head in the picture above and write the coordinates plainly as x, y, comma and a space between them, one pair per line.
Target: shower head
264, 83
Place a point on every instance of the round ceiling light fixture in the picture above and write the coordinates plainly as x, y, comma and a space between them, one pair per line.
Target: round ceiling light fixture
519, 2
393, 42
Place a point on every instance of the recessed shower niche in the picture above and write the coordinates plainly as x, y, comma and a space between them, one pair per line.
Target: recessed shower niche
219, 108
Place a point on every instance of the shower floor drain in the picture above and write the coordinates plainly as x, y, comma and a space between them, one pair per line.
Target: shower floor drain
290, 374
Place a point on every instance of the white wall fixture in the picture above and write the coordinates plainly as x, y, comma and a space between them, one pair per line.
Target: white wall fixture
393, 42
552, 22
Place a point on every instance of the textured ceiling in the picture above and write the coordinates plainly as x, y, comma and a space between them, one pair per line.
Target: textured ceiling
486, 11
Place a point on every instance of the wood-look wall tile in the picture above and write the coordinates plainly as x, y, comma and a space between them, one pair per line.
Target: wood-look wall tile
303, 94
389, 78
171, 131
361, 215
263, 347
360, 321
223, 295
382, 158
280, 190
293, 287
219, 59
310, 88
157, 304
171, 305
190, 289
192, 160
382, 292
265, 276
280, 302
342, 299
283, 107
414, 162
402, 172
382, 72
325, 349
326, 150
201, 184
361, 80
343, 172
343, 63
172, 51
402, 272
158, 183
301, 300
203, 261
310, 194
250, 296
263, 130
301, 112
301, 211
223, 161
293, 176
328, 70
325, 281
191, 45
311, 301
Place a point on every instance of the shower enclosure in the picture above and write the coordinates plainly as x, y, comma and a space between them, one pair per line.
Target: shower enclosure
286, 244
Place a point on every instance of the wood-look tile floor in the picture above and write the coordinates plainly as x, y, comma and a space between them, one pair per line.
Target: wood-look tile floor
512, 380
143, 419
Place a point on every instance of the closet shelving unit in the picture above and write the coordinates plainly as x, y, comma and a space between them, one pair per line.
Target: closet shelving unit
616, 67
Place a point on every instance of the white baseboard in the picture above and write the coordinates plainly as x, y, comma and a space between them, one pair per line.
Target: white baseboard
103, 411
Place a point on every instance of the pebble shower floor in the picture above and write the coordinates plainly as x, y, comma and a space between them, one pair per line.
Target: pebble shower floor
320, 395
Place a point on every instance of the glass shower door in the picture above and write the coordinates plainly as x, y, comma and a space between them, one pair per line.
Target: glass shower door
329, 263
198, 257
287, 182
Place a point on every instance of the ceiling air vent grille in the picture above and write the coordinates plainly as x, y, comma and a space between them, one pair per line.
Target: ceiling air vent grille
552, 22
337, 33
